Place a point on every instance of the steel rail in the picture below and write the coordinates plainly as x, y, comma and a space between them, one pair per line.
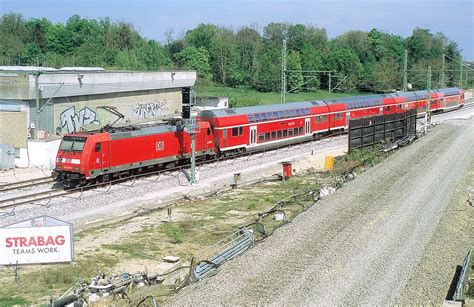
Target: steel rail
25, 184
25, 199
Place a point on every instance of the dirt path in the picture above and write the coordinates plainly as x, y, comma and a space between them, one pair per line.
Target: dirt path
364, 244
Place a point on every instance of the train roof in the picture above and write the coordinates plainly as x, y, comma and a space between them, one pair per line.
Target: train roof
358, 101
136, 131
422, 94
261, 109
450, 91
350, 103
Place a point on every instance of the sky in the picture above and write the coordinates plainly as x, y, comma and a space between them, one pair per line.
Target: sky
455, 18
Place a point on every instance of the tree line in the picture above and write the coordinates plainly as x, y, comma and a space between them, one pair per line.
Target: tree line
249, 56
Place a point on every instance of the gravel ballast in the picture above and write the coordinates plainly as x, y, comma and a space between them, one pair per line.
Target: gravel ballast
366, 243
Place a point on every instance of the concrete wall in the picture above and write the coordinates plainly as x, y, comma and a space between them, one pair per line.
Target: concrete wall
84, 83
14, 86
20, 84
13, 127
64, 115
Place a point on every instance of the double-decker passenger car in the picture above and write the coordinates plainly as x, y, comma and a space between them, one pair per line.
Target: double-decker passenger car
115, 152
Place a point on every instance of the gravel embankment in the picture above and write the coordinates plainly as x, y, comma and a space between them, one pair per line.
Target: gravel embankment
365, 243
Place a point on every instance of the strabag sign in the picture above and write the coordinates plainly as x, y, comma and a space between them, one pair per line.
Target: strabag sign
35, 241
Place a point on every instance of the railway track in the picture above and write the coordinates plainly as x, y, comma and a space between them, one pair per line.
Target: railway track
31, 198
25, 184
50, 194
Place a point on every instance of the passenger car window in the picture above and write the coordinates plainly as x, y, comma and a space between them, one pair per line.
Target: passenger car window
235, 131
97, 147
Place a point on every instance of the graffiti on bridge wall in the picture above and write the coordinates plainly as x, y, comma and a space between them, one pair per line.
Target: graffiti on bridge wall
149, 109
71, 121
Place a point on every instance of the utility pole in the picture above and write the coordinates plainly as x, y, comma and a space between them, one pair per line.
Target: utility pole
190, 127
329, 87
428, 101
443, 64
460, 74
36, 76
192, 131
405, 72
283, 73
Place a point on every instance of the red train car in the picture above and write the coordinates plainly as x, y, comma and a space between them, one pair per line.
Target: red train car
107, 155
104, 155
251, 128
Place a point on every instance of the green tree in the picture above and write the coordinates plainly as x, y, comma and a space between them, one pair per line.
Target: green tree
31, 54
205, 35
388, 75
197, 59
274, 33
37, 32
311, 60
317, 37
12, 34
226, 58
296, 37
348, 66
249, 46
60, 39
295, 78
268, 72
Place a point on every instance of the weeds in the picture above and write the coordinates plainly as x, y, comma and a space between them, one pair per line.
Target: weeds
10, 301
174, 231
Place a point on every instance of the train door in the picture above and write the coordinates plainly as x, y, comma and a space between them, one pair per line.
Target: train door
348, 118
96, 157
104, 159
253, 135
307, 126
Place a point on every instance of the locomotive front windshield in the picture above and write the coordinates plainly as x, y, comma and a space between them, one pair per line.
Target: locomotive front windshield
72, 143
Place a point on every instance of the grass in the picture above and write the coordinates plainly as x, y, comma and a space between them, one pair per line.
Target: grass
174, 231
10, 301
243, 96
470, 289
38, 283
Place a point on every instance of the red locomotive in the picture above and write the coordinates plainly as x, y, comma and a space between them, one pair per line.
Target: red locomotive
119, 152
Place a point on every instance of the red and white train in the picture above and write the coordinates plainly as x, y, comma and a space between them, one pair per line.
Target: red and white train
108, 154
